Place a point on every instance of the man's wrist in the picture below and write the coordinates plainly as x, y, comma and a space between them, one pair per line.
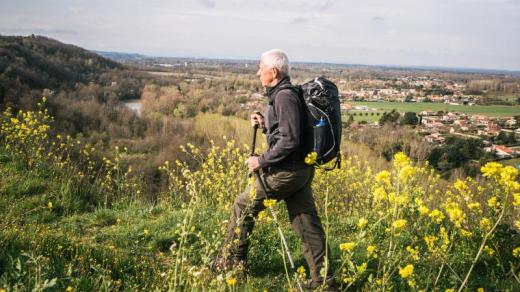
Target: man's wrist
261, 161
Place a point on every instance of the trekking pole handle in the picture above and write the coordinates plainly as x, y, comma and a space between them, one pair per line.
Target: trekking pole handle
253, 144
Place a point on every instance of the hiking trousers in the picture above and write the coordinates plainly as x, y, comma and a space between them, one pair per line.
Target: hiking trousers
294, 187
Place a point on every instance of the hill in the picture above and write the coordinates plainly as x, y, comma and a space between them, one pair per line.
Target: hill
37, 62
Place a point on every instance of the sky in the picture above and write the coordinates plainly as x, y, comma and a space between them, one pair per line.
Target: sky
443, 33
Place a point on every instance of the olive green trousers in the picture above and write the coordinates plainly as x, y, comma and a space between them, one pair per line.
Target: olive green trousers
294, 187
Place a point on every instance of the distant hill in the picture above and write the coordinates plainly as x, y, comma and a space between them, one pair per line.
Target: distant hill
37, 62
121, 57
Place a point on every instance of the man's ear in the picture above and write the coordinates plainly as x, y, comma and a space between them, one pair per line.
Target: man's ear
276, 73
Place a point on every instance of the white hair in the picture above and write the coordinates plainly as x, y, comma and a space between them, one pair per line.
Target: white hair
276, 59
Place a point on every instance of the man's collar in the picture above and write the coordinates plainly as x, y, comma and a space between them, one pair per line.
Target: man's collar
271, 90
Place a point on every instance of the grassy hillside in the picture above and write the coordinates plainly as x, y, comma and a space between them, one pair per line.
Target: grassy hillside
72, 224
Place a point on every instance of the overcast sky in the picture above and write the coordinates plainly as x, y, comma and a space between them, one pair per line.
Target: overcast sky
448, 33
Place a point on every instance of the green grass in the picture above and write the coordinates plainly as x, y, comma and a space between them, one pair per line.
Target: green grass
512, 162
124, 246
489, 110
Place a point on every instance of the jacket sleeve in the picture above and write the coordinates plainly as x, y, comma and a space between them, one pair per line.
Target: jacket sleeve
288, 111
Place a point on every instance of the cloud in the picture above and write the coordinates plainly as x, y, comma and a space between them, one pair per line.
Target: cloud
326, 5
207, 3
377, 18
299, 20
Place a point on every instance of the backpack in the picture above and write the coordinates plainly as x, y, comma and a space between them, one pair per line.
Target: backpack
322, 120
321, 123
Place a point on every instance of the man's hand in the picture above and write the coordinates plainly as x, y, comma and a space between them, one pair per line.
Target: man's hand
252, 163
257, 119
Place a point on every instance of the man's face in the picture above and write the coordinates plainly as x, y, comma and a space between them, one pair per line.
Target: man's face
266, 73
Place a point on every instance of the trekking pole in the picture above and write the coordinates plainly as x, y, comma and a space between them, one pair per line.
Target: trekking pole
264, 188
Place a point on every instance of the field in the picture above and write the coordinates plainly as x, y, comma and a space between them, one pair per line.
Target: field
70, 224
491, 110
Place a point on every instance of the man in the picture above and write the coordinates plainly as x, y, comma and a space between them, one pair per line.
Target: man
284, 172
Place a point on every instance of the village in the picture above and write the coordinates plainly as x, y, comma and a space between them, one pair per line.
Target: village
411, 89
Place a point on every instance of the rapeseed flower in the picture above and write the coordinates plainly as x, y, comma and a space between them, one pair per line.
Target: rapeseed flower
485, 224
436, 215
268, 203
406, 272
401, 160
362, 223
372, 251
383, 177
399, 224
347, 246
311, 158
516, 252
423, 210
231, 281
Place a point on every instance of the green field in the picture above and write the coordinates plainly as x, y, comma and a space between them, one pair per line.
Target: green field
361, 116
488, 110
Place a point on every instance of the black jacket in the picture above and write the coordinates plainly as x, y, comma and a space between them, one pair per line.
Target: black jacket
283, 123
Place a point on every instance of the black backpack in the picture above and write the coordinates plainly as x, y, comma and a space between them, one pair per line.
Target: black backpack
322, 120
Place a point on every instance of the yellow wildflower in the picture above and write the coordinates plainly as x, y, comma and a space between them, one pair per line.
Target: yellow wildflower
461, 186
361, 268
489, 250
406, 173
445, 239
400, 223
414, 252
269, 203
372, 251
301, 272
380, 193
508, 174
492, 202
401, 160
383, 177
264, 216
406, 272
516, 199
480, 290
430, 241
347, 246
49, 205
516, 252
485, 224
491, 169
311, 158
69, 289
466, 233
362, 223
436, 215
423, 210
449, 290
455, 213
231, 281
474, 206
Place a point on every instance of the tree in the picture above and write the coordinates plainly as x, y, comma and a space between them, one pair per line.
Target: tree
410, 118
390, 118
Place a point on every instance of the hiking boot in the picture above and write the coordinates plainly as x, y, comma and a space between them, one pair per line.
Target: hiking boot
328, 286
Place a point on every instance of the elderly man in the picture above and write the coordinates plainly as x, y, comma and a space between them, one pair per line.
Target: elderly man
284, 172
